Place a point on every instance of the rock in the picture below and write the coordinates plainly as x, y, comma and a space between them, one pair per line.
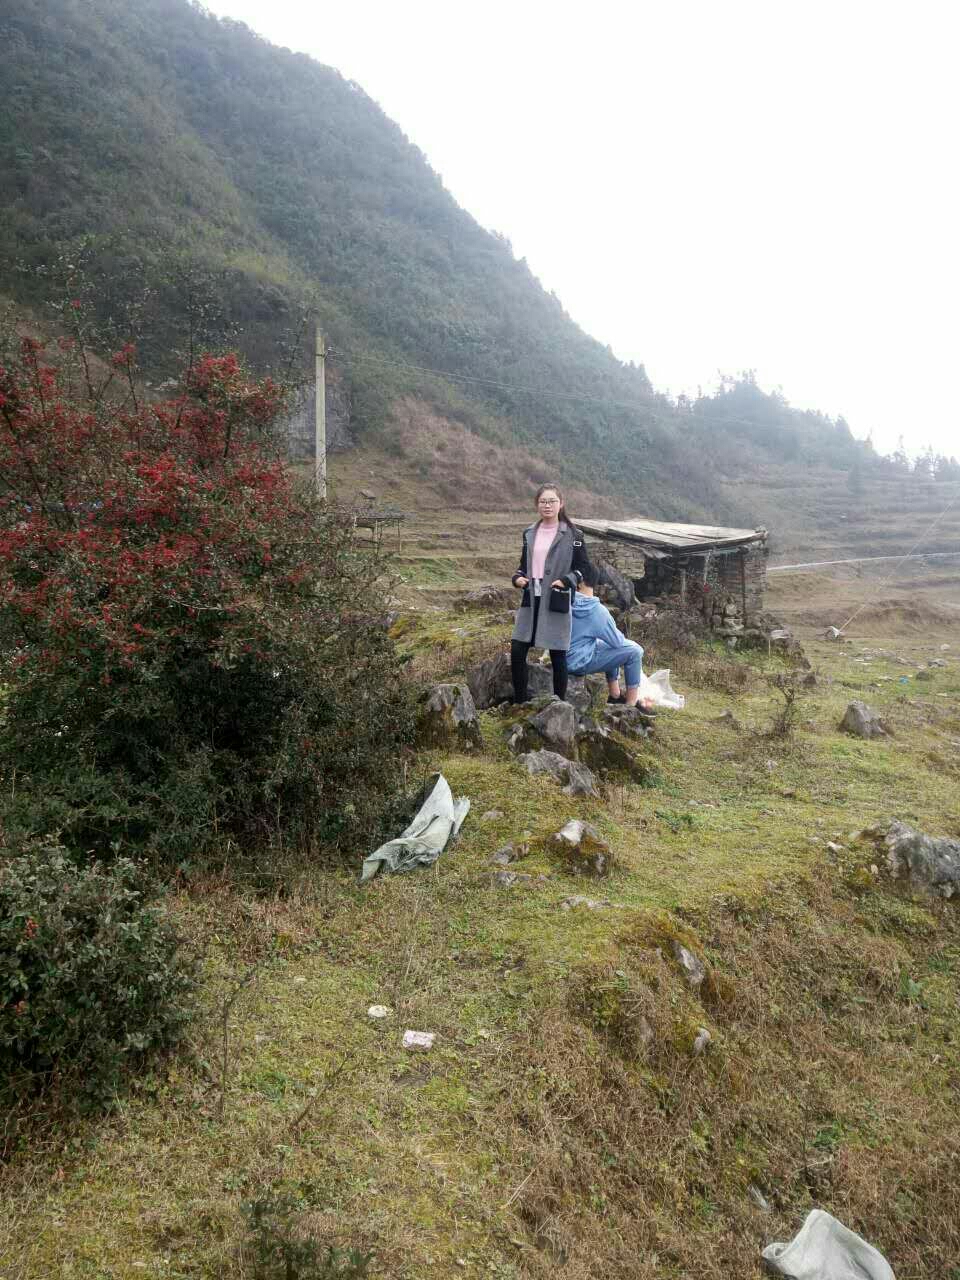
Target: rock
490, 682
809, 681
365, 493
448, 717
923, 675
589, 904
377, 1012
833, 633
931, 863
581, 847
503, 857
600, 750
834, 848
701, 1040
728, 720
491, 815
554, 728
630, 721
576, 779
936, 662
419, 1041
691, 966
507, 879
863, 722
586, 693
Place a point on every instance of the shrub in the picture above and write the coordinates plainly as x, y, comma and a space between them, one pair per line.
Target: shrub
92, 976
190, 639
281, 1251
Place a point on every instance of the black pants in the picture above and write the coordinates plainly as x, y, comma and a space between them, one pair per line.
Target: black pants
518, 662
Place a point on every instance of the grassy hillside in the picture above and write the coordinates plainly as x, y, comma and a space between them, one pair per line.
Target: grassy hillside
209, 181
563, 1119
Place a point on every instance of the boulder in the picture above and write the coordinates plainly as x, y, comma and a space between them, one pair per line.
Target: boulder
555, 728
447, 716
581, 848
586, 694
490, 682
863, 722
575, 779
931, 863
601, 751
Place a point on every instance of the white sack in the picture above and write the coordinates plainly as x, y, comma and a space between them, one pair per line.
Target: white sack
657, 689
824, 1249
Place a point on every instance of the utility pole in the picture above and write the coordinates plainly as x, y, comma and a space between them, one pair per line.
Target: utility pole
321, 416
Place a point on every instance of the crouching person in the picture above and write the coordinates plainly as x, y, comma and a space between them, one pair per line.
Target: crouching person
596, 644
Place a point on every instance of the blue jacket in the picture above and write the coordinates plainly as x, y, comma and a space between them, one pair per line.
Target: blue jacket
591, 622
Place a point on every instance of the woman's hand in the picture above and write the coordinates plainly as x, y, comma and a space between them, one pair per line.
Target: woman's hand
520, 582
561, 584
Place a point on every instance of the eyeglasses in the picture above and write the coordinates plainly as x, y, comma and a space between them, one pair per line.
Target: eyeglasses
548, 502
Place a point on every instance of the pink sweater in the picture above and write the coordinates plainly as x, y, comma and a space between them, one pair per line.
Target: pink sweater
541, 545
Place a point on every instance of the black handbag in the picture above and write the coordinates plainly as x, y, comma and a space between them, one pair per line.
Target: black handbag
559, 600
525, 600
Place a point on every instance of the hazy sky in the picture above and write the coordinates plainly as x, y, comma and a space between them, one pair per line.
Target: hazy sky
707, 186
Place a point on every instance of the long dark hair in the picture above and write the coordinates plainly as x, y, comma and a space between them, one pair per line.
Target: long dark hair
562, 513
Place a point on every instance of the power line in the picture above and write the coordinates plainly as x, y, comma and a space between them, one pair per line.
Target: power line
926, 533
824, 564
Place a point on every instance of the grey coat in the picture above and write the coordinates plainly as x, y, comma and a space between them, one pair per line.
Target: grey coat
566, 559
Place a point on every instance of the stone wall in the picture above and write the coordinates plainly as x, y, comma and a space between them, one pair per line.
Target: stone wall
710, 584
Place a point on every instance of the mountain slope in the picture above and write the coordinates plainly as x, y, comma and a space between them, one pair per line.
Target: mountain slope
197, 169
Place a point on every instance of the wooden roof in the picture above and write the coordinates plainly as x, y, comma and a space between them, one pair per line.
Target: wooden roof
658, 536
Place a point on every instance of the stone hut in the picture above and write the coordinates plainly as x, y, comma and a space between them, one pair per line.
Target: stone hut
719, 572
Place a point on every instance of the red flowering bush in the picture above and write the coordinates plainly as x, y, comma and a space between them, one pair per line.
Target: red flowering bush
188, 639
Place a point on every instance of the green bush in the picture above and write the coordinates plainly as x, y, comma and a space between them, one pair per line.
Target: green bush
93, 979
193, 645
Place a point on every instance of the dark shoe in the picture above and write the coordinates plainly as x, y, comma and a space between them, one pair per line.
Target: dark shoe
619, 701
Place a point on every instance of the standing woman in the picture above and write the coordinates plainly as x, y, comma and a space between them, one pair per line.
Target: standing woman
552, 561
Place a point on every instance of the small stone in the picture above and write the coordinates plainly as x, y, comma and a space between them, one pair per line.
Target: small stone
503, 857
299, 981
378, 1012
581, 847
691, 966
590, 904
833, 847
491, 815
507, 879
419, 1041
701, 1040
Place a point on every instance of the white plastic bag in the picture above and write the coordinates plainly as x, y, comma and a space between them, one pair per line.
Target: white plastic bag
657, 689
824, 1249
